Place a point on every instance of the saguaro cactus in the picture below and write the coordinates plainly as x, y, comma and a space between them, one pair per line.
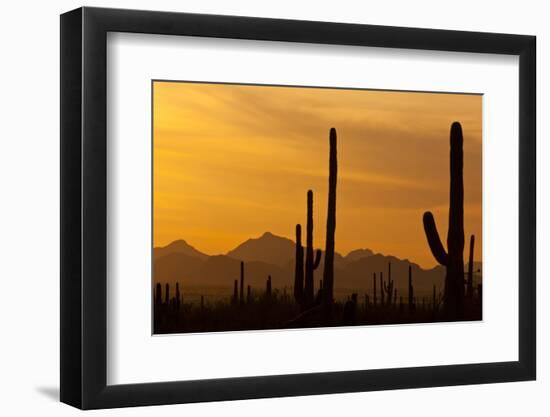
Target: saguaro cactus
311, 263
178, 299
470, 281
241, 289
388, 287
374, 289
382, 289
167, 294
328, 273
453, 258
299, 267
158, 294
235, 298
411, 291
268, 287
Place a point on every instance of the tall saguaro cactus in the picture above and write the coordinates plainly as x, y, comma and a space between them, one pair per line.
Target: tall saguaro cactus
453, 257
470, 281
299, 268
328, 273
311, 262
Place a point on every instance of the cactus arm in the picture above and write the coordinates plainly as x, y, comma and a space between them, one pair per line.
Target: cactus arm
317, 259
433, 239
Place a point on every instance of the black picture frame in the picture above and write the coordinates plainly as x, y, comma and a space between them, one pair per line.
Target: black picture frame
84, 207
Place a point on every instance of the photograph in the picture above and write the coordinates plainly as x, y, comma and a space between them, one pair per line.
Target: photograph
284, 207
270, 204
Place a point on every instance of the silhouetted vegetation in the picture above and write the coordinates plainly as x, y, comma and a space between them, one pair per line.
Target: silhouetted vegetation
328, 273
270, 307
453, 257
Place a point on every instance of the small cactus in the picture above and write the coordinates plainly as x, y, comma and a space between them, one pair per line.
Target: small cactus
235, 298
411, 292
381, 289
158, 294
178, 299
374, 289
268, 287
241, 290
388, 287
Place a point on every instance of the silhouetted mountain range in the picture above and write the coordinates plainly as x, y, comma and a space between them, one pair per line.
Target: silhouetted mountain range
274, 255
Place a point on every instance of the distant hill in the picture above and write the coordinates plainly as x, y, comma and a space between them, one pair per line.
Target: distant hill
357, 254
267, 248
176, 266
178, 246
274, 255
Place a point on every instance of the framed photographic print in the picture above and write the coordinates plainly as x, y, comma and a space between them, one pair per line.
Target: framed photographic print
257, 207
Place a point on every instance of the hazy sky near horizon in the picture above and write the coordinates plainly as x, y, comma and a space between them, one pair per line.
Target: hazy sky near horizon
231, 162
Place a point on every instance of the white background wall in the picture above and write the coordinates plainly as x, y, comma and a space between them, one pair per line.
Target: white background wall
29, 211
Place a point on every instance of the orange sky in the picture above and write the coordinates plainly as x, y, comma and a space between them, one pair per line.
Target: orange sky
233, 161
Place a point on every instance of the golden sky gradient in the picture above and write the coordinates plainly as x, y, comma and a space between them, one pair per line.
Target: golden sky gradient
234, 161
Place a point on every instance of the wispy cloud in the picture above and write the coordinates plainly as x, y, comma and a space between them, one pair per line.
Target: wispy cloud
233, 160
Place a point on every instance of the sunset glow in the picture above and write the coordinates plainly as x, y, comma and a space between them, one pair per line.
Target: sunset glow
234, 161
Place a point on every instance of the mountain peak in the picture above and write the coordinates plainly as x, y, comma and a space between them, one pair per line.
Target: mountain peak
356, 254
267, 248
178, 246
